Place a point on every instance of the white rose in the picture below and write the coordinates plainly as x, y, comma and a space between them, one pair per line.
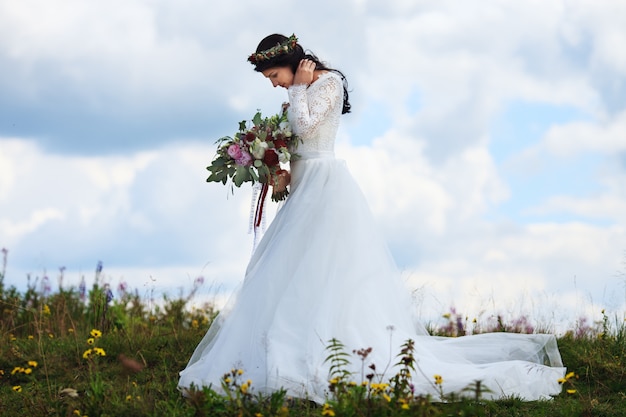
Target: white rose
285, 128
257, 148
284, 156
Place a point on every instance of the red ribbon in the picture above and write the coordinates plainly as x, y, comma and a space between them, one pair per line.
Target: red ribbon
258, 215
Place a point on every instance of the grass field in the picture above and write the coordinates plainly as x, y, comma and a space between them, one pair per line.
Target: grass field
82, 352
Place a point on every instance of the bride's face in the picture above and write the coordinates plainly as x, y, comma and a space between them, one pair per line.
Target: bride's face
280, 76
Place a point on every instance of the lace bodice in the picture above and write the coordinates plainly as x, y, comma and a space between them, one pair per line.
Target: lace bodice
314, 112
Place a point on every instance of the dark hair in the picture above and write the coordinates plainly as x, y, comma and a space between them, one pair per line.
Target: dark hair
292, 60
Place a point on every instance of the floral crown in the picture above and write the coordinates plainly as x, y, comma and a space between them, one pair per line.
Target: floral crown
285, 47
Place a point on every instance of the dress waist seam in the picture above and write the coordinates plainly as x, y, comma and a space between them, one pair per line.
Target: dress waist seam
315, 154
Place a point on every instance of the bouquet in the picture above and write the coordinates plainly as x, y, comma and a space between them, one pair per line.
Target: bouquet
255, 153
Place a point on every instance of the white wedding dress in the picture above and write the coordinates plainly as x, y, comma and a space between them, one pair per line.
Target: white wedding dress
321, 271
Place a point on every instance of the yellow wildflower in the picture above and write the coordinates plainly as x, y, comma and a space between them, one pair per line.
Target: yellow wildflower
334, 381
70, 330
46, 310
244, 388
570, 375
32, 363
28, 371
129, 397
17, 388
17, 369
95, 333
50, 335
87, 354
258, 415
387, 397
328, 411
91, 341
352, 383
99, 351
438, 379
12, 338
239, 371
31, 337
379, 387
1, 373
571, 391
194, 323
405, 406
227, 380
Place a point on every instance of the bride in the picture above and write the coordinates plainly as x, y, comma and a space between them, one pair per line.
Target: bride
321, 272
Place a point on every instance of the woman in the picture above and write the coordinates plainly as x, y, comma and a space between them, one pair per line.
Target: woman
322, 272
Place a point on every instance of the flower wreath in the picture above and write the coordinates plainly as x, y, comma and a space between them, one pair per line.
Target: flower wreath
287, 46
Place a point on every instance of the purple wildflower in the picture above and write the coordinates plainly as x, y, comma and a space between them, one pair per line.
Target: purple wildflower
82, 289
198, 281
45, 286
121, 289
460, 329
109, 293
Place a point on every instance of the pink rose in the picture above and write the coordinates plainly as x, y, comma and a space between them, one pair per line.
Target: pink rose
234, 151
245, 159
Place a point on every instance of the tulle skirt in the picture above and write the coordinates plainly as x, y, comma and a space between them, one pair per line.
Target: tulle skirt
322, 271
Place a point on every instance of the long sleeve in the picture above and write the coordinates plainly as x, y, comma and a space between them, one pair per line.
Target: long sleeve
308, 109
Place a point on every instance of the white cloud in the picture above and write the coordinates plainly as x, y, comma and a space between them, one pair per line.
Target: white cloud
570, 139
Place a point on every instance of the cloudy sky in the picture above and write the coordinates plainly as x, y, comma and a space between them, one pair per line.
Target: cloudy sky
488, 136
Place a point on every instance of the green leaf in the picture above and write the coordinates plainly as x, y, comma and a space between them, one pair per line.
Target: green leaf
241, 175
224, 139
218, 162
257, 119
213, 178
253, 174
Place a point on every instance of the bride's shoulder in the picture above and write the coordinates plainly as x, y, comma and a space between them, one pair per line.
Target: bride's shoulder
329, 74
328, 78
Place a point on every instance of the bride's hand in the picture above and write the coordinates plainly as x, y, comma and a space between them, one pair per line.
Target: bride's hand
304, 72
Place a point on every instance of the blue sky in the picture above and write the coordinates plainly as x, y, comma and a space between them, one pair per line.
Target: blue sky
489, 138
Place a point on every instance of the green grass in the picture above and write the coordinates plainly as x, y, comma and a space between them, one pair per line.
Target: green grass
45, 370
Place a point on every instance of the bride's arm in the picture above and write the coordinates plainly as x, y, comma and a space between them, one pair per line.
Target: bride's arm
308, 112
